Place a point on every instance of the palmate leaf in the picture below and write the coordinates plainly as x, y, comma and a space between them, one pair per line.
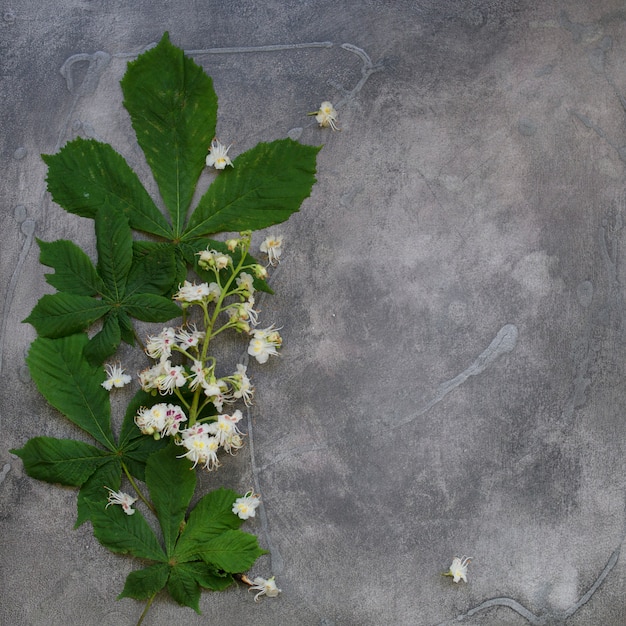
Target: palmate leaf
171, 482
85, 174
266, 185
130, 278
173, 109
72, 385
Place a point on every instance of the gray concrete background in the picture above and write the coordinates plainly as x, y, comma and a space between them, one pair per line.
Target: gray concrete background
451, 300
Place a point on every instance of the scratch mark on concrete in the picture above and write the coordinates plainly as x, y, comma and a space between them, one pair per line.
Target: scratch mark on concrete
27, 226
502, 343
4, 472
546, 618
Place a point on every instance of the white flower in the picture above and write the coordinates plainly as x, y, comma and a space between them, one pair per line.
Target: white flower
152, 421
242, 386
200, 447
264, 344
189, 338
264, 587
173, 376
198, 376
245, 282
213, 259
226, 431
160, 346
218, 156
246, 506
151, 376
326, 116
458, 569
119, 497
174, 417
243, 311
190, 292
272, 247
116, 377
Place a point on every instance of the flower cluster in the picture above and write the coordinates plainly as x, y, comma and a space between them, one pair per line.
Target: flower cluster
160, 420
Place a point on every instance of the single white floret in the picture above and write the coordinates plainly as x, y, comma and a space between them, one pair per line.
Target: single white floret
125, 500
245, 507
264, 587
458, 569
327, 116
272, 246
218, 156
116, 377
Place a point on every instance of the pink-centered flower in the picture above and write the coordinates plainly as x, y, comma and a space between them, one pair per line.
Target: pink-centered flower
123, 499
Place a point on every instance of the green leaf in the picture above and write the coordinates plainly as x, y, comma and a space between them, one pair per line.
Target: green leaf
233, 551
125, 534
266, 185
85, 174
94, 489
183, 587
64, 461
207, 576
138, 452
114, 241
153, 269
70, 384
127, 332
144, 583
102, 345
61, 314
74, 271
149, 307
171, 482
210, 518
173, 109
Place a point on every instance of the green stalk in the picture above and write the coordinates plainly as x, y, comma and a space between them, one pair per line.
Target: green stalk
137, 490
149, 603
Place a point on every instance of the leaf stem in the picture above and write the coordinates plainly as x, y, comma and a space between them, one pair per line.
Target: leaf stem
148, 604
137, 490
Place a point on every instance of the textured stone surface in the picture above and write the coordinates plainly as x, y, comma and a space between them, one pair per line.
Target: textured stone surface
452, 379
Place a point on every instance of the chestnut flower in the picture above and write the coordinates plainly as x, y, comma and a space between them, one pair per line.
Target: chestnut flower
218, 156
116, 377
264, 587
326, 116
458, 569
124, 499
272, 247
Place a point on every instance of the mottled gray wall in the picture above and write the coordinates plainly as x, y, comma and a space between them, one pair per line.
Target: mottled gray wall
451, 299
